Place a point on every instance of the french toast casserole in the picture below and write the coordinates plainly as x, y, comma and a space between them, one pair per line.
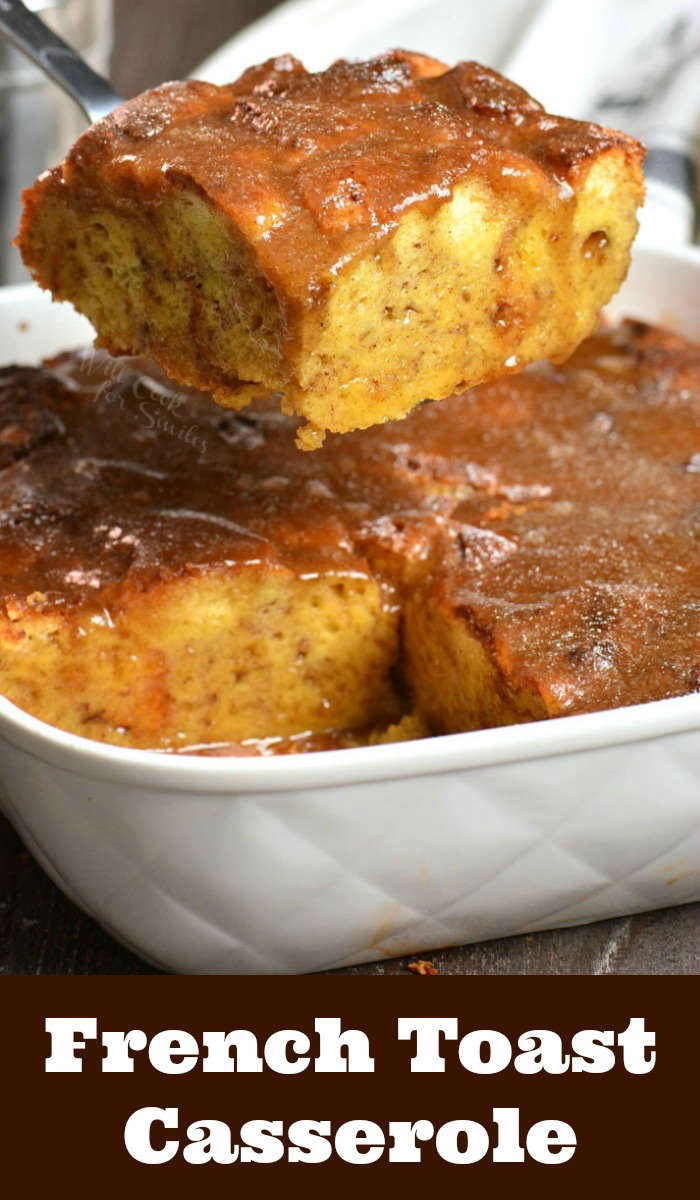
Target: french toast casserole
325, 252
177, 576
357, 240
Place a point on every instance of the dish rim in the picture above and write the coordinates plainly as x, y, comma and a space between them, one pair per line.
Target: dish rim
443, 753
181, 772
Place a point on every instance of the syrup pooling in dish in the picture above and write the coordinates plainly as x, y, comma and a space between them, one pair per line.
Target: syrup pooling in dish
177, 577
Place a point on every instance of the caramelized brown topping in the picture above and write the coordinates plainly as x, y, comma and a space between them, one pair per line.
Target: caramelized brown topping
309, 165
557, 510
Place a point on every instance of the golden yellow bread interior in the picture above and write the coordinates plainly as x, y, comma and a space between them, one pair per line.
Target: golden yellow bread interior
175, 576
357, 240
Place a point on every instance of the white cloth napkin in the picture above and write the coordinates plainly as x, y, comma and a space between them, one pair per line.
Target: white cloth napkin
632, 64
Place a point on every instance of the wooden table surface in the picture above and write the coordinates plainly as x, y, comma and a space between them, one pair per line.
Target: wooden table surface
41, 932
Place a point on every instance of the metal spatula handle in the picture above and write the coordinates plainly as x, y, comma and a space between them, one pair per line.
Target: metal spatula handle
61, 63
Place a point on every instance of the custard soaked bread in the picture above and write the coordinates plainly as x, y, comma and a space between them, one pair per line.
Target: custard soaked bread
357, 240
573, 584
174, 576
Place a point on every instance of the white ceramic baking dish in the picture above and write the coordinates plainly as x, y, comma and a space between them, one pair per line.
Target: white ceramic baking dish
211, 865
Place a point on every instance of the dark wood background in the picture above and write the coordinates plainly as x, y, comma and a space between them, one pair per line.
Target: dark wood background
41, 932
